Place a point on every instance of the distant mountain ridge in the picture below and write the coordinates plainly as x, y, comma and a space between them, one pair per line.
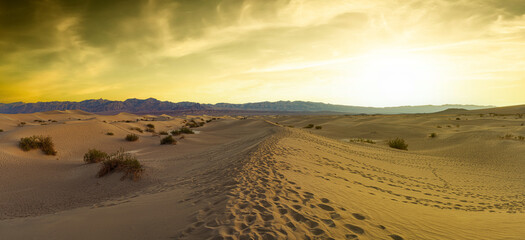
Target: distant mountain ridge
153, 105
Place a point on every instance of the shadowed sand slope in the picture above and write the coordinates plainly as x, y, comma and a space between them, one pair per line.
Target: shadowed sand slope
252, 179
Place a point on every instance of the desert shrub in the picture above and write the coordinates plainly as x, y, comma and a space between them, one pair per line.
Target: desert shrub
136, 129
168, 140
309, 126
121, 162
149, 125
163, 133
291, 126
132, 137
458, 118
438, 126
1, 130
110, 134
318, 127
95, 156
521, 138
362, 140
22, 124
151, 130
522, 124
183, 130
433, 135
398, 143
34, 142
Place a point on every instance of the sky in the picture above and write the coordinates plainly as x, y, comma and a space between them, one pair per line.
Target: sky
360, 52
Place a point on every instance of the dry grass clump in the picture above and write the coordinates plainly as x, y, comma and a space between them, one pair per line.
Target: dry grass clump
318, 127
132, 137
136, 129
1, 130
398, 143
163, 133
432, 135
110, 134
513, 137
362, 140
309, 126
183, 130
22, 124
121, 162
34, 142
149, 125
168, 140
95, 156
193, 124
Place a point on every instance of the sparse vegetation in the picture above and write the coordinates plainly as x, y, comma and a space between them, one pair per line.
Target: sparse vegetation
21, 124
168, 140
318, 127
438, 126
132, 137
398, 143
193, 124
309, 126
149, 125
1, 130
513, 137
151, 130
95, 156
122, 162
433, 135
34, 142
110, 134
163, 133
136, 129
362, 140
183, 130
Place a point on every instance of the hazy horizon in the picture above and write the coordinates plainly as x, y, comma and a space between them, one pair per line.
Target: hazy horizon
360, 53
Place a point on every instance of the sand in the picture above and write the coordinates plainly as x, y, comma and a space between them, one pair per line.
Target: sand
256, 178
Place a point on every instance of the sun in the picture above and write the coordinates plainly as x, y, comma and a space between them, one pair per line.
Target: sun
400, 77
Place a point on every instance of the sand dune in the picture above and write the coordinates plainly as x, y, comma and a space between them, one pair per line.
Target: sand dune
258, 179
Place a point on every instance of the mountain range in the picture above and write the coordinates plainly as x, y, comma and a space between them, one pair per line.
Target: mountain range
152, 105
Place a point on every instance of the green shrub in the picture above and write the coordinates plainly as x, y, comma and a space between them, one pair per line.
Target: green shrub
163, 133
309, 126
398, 143
95, 156
121, 162
183, 130
34, 142
132, 137
433, 135
318, 127
110, 134
168, 140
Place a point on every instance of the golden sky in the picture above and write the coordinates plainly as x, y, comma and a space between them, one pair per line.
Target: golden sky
359, 52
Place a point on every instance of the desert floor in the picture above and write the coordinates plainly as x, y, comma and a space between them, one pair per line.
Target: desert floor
261, 178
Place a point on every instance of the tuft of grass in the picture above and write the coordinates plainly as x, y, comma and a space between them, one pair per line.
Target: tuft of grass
168, 140
163, 133
362, 140
1, 130
183, 130
34, 142
318, 127
132, 137
433, 135
110, 134
151, 130
309, 126
121, 162
95, 156
149, 125
398, 143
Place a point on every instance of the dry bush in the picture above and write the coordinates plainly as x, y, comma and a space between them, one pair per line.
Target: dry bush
132, 137
183, 130
398, 143
34, 142
309, 126
318, 127
122, 162
163, 133
168, 140
110, 134
95, 156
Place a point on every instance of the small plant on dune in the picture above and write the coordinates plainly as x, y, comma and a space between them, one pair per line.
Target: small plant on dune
1, 130
136, 129
168, 140
110, 134
433, 135
151, 130
95, 156
438, 126
122, 162
183, 130
362, 140
22, 124
193, 124
458, 119
398, 143
132, 137
309, 126
522, 124
34, 142
291, 126
318, 127
150, 126
163, 133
